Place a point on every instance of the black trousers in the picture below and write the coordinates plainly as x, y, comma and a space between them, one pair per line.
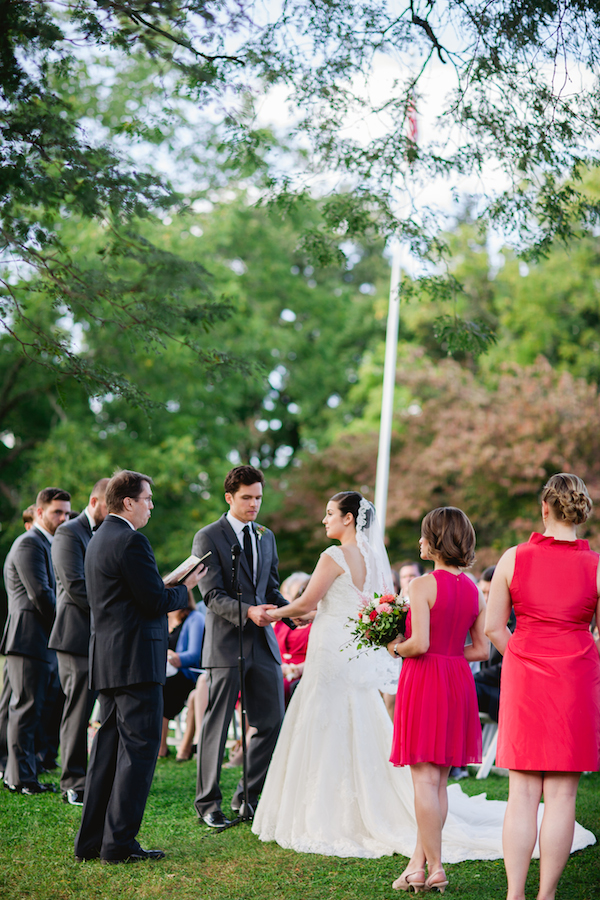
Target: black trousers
265, 707
122, 763
488, 698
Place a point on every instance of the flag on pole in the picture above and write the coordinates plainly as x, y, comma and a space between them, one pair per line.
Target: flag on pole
413, 125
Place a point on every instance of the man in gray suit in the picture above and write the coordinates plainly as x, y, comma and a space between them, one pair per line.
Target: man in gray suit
70, 637
31, 589
128, 660
259, 580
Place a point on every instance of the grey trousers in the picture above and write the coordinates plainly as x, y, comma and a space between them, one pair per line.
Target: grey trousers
265, 708
73, 673
29, 680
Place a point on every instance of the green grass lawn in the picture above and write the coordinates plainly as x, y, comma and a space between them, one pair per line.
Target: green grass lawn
36, 855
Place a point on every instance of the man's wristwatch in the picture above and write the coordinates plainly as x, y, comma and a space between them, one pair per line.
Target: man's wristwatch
396, 649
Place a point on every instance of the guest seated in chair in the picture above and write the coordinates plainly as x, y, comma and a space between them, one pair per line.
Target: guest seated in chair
487, 680
293, 643
186, 630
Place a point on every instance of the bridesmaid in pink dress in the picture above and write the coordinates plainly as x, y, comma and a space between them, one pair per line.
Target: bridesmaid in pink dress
549, 723
436, 723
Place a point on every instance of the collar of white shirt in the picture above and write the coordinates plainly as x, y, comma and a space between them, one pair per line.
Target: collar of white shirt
46, 534
123, 519
238, 526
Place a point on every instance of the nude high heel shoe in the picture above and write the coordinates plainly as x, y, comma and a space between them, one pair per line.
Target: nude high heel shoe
436, 885
403, 884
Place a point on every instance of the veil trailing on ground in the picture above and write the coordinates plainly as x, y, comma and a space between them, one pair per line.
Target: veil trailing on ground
370, 542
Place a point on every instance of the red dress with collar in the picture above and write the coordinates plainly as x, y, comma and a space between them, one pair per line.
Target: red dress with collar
550, 686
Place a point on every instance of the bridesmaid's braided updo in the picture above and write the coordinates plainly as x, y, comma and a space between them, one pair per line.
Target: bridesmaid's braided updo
568, 498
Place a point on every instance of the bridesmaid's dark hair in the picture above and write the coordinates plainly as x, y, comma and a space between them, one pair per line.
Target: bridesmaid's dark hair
349, 502
568, 498
450, 536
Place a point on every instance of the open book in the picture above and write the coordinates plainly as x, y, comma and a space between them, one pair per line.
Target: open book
182, 571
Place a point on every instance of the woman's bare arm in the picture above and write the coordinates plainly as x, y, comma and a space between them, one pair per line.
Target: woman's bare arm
500, 603
479, 649
322, 578
422, 593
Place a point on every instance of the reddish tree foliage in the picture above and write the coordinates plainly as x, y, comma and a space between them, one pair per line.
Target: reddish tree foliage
487, 449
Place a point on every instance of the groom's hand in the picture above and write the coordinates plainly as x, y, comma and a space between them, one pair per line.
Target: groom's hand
260, 615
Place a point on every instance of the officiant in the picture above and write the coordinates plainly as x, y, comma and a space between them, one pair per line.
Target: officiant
128, 652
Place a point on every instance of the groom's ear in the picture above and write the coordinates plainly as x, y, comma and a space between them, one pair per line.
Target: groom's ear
228, 498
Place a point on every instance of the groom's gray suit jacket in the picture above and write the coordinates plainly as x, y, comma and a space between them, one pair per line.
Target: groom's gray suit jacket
221, 641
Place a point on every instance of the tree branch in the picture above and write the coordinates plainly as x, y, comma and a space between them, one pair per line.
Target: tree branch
424, 24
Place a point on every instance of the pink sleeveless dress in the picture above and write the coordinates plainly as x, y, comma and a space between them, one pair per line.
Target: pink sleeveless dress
550, 689
436, 718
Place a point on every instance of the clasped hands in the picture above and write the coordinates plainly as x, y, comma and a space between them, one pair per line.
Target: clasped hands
260, 615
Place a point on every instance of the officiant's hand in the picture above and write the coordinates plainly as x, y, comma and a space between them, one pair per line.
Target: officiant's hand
194, 577
260, 615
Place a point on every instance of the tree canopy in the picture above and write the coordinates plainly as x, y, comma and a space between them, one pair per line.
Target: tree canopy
521, 102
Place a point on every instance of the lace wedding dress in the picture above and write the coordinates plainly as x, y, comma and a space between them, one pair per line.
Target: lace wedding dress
330, 788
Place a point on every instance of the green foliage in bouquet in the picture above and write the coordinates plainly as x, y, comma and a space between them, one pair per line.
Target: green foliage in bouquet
379, 621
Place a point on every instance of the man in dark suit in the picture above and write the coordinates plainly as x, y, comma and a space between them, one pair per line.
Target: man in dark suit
70, 637
28, 515
259, 581
128, 656
31, 589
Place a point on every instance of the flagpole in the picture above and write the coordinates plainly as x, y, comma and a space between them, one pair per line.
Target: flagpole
389, 382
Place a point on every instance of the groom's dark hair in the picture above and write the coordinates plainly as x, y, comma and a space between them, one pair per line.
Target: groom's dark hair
242, 475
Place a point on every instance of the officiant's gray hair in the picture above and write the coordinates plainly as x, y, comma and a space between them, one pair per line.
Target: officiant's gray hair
349, 502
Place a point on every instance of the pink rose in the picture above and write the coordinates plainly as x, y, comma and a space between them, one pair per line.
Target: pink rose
384, 607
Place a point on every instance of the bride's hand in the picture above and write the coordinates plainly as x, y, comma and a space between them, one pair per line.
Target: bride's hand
390, 647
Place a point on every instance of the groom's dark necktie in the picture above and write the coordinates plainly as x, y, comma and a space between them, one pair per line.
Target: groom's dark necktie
248, 549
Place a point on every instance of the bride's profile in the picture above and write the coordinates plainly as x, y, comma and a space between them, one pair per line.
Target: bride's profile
330, 788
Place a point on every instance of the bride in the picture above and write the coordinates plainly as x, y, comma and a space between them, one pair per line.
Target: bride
330, 788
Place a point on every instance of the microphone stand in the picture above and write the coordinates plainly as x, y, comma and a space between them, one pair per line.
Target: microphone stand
246, 812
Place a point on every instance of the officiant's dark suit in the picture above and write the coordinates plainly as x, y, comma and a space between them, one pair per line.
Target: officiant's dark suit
128, 651
259, 581
70, 637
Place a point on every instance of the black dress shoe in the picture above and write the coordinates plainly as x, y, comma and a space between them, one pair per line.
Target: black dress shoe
75, 798
94, 854
215, 819
138, 856
31, 787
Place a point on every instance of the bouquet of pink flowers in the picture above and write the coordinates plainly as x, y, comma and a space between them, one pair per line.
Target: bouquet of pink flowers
379, 621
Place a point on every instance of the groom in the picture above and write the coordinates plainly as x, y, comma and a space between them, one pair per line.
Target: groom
259, 582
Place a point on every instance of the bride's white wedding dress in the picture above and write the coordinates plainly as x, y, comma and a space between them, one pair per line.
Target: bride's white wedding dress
330, 788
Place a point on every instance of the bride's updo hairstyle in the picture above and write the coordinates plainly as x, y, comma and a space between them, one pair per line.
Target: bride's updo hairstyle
450, 536
349, 502
567, 498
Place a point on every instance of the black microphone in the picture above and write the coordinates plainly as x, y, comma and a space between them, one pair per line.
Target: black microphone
235, 565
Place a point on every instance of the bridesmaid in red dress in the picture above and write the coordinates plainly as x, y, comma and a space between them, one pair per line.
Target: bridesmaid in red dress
436, 722
549, 722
